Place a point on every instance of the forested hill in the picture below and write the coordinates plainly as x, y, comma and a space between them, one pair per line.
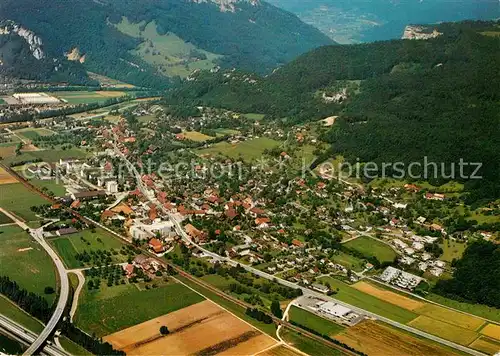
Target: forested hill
143, 42
406, 99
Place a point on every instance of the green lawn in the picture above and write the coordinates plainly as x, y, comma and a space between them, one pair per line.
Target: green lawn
254, 116
314, 322
18, 199
115, 308
248, 150
475, 309
72, 348
365, 301
371, 247
34, 133
32, 269
307, 345
50, 156
68, 246
223, 132
66, 251
349, 261
2, 101
452, 249
51, 184
13, 312
4, 219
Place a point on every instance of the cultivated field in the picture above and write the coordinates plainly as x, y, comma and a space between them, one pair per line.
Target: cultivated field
86, 97
18, 199
434, 319
7, 150
476, 309
280, 350
486, 345
371, 247
492, 331
5, 177
450, 316
110, 309
391, 297
444, 330
307, 345
374, 338
248, 150
202, 328
25, 262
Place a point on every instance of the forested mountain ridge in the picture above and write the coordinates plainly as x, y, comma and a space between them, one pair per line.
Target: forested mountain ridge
22, 56
249, 35
405, 99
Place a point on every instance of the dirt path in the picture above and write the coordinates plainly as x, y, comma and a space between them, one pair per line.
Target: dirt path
81, 283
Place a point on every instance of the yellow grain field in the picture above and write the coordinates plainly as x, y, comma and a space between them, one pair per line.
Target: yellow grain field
492, 331
486, 345
388, 296
444, 330
374, 338
449, 316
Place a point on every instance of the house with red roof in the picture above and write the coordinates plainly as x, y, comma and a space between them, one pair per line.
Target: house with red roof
156, 245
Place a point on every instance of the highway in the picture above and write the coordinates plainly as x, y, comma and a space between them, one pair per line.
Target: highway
28, 337
63, 280
63, 293
306, 291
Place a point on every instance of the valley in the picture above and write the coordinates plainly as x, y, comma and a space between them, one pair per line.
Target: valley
219, 177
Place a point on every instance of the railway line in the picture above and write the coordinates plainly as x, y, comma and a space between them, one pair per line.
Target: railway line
181, 272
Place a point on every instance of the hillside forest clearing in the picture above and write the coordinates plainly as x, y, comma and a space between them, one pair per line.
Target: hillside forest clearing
167, 52
202, 328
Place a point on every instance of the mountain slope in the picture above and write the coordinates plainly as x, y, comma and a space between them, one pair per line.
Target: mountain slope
22, 55
398, 100
250, 35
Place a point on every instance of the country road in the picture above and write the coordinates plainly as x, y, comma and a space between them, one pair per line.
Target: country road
28, 337
76, 296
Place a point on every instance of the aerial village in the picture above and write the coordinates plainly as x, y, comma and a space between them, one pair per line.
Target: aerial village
256, 210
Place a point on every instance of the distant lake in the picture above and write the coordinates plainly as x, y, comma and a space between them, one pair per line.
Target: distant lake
354, 21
